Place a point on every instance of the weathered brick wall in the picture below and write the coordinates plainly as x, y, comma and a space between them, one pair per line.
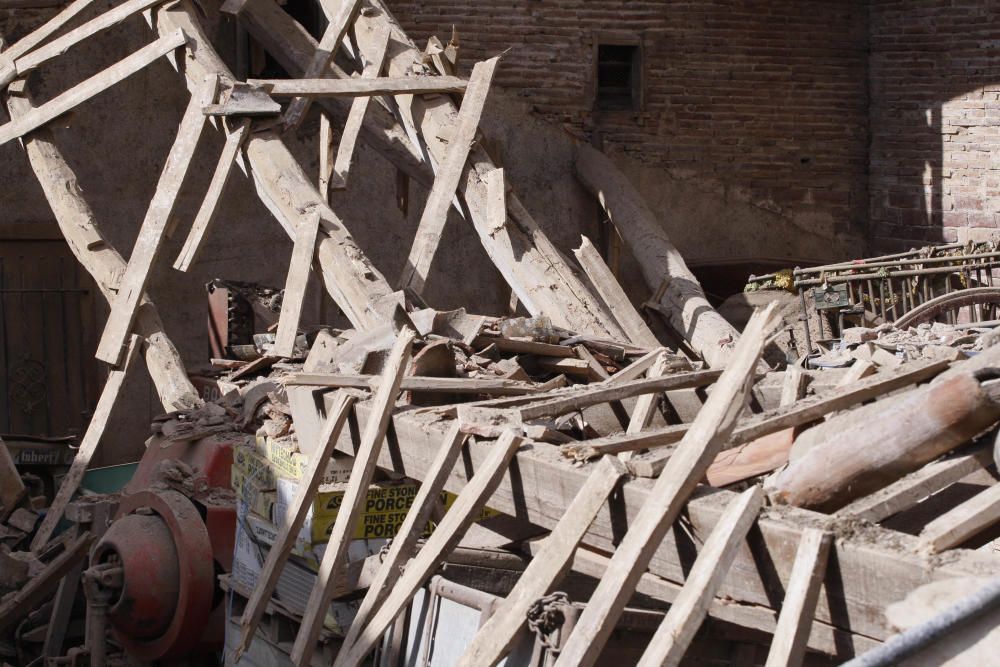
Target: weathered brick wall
762, 103
935, 82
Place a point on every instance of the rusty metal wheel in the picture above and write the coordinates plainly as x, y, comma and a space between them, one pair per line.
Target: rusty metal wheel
926, 312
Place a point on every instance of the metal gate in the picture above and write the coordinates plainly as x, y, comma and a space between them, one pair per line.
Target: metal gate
48, 375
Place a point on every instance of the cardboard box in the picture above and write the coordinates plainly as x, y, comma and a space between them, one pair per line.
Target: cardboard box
260, 501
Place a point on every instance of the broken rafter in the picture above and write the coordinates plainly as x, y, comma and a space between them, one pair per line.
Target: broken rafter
435, 215
25, 63
154, 226
340, 22
40, 35
684, 470
489, 386
196, 237
295, 286
359, 107
361, 87
95, 85
91, 439
98, 257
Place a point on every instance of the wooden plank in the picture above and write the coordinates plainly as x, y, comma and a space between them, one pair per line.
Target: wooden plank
361, 87
404, 545
359, 107
192, 245
154, 228
637, 368
95, 85
788, 647
38, 36
43, 584
295, 286
496, 637
496, 387
354, 499
496, 208
963, 522
295, 516
98, 255
446, 535
325, 156
62, 611
601, 393
677, 630
340, 20
435, 214
57, 47
522, 346
798, 414
910, 490
610, 290
88, 446
685, 468
858, 370
12, 489
645, 405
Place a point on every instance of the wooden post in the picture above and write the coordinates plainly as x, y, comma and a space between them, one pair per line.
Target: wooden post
93, 86
98, 257
340, 21
91, 439
195, 238
354, 499
645, 405
684, 301
788, 647
404, 544
154, 227
672, 638
449, 531
439, 200
496, 637
614, 296
684, 469
359, 107
295, 286
295, 517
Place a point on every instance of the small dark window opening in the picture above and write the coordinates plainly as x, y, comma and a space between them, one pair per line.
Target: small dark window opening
618, 77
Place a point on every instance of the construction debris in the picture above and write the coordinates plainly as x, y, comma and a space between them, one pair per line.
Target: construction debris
343, 479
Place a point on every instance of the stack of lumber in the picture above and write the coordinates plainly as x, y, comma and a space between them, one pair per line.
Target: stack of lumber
700, 480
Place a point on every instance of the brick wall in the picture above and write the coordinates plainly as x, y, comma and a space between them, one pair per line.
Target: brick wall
935, 86
760, 102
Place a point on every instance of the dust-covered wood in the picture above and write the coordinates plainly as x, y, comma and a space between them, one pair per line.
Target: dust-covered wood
361, 87
87, 89
154, 227
295, 286
446, 535
354, 499
496, 637
686, 467
435, 214
292, 523
88, 446
41, 34
677, 630
196, 237
489, 386
356, 117
965, 521
788, 647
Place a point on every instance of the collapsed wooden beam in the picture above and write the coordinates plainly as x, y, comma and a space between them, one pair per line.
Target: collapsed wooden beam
963, 522
690, 313
25, 63
363, 87
555, 557
95, 85
296, 283
196, 236
686, 614
336, 30
435, 215
98, 257
88, 446
708, 435
353, 502
354, 283
356, 118
154, 226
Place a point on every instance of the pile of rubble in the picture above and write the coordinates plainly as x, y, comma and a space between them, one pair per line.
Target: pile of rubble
345, 479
